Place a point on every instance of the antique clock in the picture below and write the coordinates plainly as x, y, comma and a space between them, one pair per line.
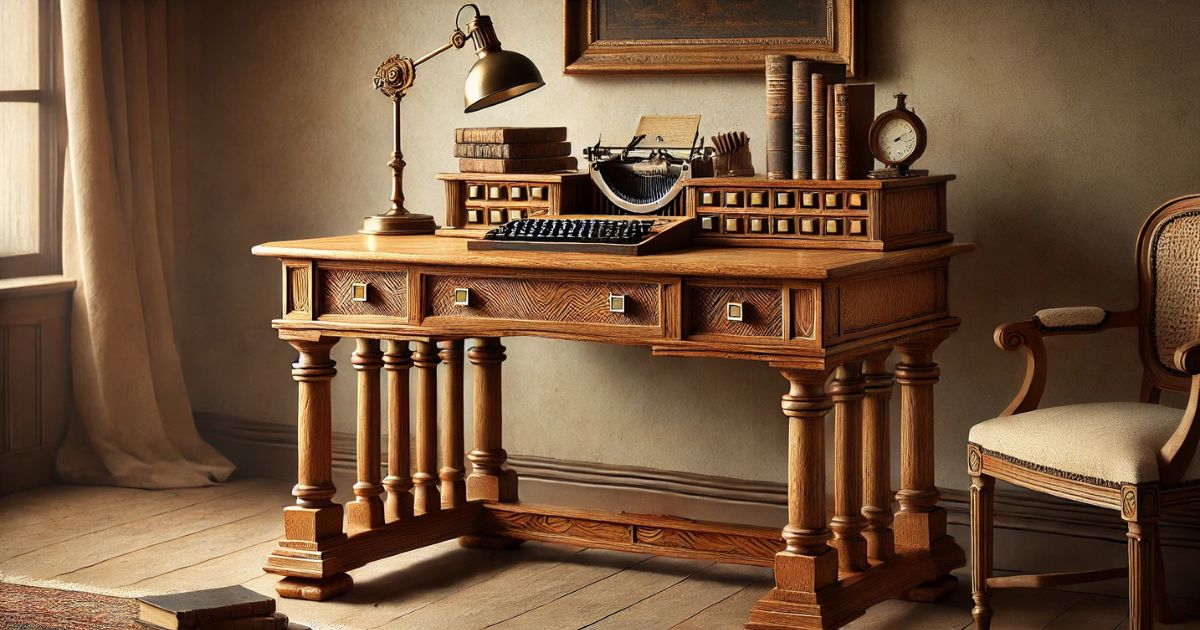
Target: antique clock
897, 139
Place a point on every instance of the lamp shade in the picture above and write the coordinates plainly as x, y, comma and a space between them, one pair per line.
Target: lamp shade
497, 76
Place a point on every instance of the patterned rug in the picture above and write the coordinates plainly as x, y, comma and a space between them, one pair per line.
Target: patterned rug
35, 608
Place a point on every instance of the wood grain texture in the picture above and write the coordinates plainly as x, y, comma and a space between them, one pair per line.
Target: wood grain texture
877, 467
398, 363
387, 292
529, 299
453, 472
847, 391
425, 478
762, 311
366, 511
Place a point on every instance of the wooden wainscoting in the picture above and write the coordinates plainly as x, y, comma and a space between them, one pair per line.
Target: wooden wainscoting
34, 378
1029, 525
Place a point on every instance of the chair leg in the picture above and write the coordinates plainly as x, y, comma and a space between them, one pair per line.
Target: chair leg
1142, 538
982, 501
1162, 604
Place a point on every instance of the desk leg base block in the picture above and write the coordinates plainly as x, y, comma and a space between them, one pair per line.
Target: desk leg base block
489, 541
934, 591
314, 589
837, 605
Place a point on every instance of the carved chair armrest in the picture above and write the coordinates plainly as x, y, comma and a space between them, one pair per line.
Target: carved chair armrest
1176, 455
1028, 335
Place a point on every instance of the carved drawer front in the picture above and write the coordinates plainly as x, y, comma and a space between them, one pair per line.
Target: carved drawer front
365, 292
738, 311
617, 303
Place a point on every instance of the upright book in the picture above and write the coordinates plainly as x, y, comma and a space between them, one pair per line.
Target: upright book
779, 116
801, 120
853, 111
817, 92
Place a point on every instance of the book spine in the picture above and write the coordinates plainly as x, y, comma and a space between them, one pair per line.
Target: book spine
841, 134
801, 120
829, 132
530, 165
502, 135
779, 116
817, 94
505, 151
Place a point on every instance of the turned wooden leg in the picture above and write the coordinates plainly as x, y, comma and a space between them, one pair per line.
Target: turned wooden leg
983, 489
366, 512
489, 479
1142, 537
425, 479
848, 522
454, 487
877, 463
315, 520
398, 482
920, 521
808, 564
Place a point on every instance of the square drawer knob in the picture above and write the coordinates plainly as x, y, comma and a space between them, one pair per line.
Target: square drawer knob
858, 227
474, 216
783, 200
758, 226
810, 200
708, 198
856, 200
735, 311
708, 224
758, 199
359, 292
495, 192
537, 192
833, 226
517, 193
514, 215
474, 191
833, 201
733, 199
783, 226
496, 216
462, 297
733, 224
809, 226
616, 303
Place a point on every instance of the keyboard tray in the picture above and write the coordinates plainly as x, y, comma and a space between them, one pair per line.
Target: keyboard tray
668, 233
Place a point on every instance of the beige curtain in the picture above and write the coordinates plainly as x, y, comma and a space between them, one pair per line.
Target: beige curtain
133, 424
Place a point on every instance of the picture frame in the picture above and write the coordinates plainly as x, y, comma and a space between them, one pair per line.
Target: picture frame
614, 37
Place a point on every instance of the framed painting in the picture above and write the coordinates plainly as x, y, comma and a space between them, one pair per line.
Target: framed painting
706, 36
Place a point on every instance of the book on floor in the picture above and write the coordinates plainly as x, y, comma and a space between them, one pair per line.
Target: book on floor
188, 610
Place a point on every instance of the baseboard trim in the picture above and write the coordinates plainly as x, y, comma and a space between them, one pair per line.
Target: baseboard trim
262, 449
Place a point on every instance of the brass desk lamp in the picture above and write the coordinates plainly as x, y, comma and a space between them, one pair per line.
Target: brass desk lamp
497, 76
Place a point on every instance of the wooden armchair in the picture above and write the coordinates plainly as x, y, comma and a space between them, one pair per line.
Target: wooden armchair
1137, 458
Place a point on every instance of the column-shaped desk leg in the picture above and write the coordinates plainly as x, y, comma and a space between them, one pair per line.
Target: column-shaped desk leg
877, 464
489, 480
808, 564
315, 521
425, 479
397, 362
366, 512
454, 488
848, 522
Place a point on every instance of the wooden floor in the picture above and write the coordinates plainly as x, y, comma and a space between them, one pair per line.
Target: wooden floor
142, 541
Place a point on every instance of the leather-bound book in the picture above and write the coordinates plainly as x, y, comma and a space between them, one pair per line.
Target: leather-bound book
509, 151
801, 120
818, 126
522, 165
853, 111
830, 138
779, 116
184, 610
502, 135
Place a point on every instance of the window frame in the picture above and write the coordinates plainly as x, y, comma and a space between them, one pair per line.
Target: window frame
48, 259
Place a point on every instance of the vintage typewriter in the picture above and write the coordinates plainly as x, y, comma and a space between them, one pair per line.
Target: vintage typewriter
646, 175
600, 234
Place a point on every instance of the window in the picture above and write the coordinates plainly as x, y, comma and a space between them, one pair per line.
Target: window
30, 231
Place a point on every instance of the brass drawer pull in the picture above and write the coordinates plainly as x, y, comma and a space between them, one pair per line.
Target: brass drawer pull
462, 297
359, 291
735, 311
616, 303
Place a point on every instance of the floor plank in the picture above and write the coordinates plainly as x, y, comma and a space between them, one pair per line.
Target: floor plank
685, 599
1092, 611
237, 567
730, 612
609, 595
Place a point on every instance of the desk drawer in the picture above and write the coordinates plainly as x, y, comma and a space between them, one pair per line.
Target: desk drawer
734, 311
363, 292
543, 300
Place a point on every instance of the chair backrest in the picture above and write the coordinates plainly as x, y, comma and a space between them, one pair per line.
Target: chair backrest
1169, 287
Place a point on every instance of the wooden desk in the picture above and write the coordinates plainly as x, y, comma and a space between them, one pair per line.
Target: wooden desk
809, 313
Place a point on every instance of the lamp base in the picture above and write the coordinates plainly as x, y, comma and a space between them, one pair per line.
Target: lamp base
398, 224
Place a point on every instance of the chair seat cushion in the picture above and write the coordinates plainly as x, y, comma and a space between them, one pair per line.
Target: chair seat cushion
1106, 444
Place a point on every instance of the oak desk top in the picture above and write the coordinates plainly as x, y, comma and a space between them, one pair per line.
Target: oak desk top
735, 262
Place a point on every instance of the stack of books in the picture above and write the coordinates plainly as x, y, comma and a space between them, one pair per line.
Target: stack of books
513, 150
818, 126
228, 608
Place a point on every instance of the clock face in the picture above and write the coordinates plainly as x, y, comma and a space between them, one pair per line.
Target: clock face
897, 140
